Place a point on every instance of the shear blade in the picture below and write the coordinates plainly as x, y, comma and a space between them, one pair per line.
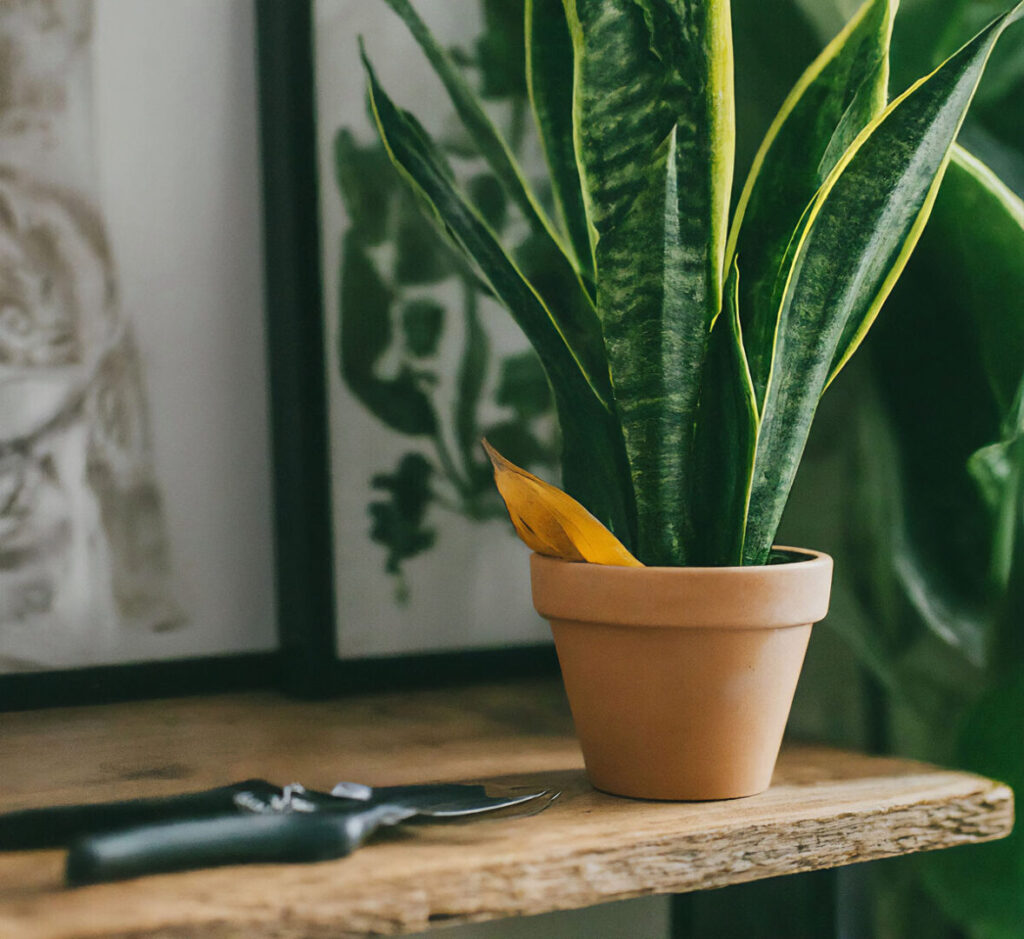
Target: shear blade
457, 810
440, 800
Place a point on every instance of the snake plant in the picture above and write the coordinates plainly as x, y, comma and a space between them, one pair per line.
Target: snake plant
688, 341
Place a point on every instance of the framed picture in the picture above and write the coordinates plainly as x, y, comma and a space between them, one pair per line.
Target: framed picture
135, 484
390, 362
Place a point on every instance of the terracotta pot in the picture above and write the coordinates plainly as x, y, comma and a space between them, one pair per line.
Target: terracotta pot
680, 679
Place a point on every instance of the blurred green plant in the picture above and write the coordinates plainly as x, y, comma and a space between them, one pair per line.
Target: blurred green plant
934, 528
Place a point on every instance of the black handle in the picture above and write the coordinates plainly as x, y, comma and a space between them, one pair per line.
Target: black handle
58, 825
230, 839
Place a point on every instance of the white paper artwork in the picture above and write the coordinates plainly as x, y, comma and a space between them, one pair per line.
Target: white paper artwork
83, 547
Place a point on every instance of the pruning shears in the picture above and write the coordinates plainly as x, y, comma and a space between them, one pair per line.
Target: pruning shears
246, 822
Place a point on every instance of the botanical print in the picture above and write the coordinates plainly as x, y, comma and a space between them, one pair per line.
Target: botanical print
83, 551
421, 362
415, 345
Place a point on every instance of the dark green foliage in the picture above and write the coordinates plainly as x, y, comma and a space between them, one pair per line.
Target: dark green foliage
487, 195
844, 91
499, 51
398, 523
366, 182
365, 336
523, 387
422, 324
549, 61
725, 440
981, 884
419, 257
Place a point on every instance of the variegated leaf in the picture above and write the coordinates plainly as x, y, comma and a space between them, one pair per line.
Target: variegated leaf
855, 240
563, 287
654, 139
593, 458
835, 98
726, 438
549, 78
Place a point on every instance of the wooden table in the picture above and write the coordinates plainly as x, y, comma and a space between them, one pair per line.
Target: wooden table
825, 808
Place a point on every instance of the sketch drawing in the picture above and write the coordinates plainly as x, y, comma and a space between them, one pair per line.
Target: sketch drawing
83, 551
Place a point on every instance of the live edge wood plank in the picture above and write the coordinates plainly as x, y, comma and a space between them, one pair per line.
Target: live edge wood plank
826, 808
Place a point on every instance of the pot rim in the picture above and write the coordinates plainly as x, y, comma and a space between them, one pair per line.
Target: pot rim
805, 555
740, 597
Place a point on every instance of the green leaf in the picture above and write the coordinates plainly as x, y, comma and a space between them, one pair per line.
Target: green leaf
549, 75
499, 50
643, 67
978, 227
523, 387
656, 342
593, 456
365, 181
492, 145
470, 381
725, 440
654, 138
998, 469
486, 193
398, 523
418, 160
563, 290
365, 336
422, 323
515, 439
977, 236
835, 98
936, 539
855, 241
983, 885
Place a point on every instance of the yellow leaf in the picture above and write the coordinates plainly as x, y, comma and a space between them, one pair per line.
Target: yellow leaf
551, 522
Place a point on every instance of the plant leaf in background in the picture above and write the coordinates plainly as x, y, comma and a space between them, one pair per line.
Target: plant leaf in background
853, 244
398, 402
654, 135
933, 550
398, 523
956, 321
980, 884
839, 94
551, 522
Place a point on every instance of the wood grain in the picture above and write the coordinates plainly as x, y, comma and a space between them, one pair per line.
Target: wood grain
825, 808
